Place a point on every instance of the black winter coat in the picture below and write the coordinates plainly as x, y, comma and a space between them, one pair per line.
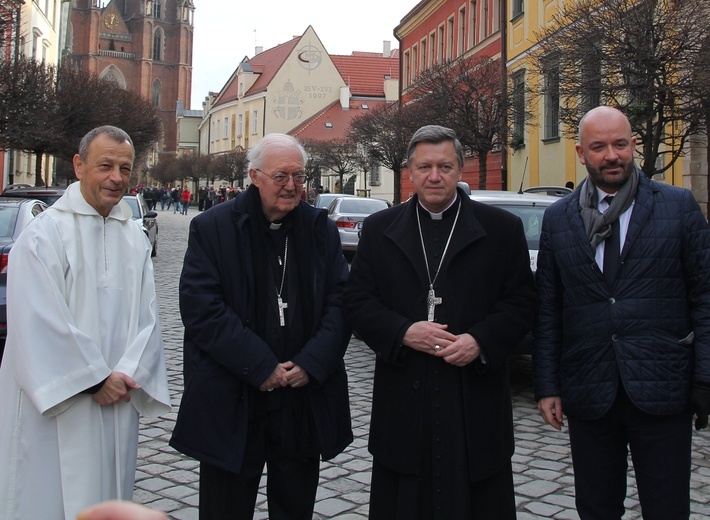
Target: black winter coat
651, 330
489, 293
222, 354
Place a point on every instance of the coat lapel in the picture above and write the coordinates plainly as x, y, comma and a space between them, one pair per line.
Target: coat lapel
642, 208
577, 225
406, 236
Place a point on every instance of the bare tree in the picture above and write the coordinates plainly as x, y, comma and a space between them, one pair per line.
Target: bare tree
466, 95
231, 166
47, 111
384, 133
27, 108
638, 55
339, 156
84, 101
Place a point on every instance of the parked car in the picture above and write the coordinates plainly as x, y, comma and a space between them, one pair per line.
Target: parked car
147, 218
15, 214
530, 207
47, 195
557, 191
323, 200
348, 214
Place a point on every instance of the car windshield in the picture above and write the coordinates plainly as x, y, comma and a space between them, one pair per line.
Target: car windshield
8, 217
532, 221
364, 206
133, 203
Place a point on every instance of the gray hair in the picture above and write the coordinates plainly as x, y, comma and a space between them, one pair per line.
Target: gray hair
271, 142
112, 132
434, 134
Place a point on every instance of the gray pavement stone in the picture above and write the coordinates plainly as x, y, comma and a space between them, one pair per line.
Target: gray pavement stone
544, 483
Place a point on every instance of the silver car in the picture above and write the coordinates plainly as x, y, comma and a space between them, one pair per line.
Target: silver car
348, 214
530, 207
147, 218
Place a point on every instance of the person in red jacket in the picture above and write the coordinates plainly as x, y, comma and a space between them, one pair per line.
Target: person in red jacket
185, 197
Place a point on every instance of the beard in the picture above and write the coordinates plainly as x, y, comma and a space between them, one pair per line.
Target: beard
611, 182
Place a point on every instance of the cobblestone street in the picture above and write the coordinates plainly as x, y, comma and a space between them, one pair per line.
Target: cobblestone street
168, 481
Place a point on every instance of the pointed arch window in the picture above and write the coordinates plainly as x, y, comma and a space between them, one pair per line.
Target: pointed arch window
155, 93
158, 45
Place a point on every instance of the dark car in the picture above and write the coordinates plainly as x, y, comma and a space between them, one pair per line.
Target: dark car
147, 218
47, 195
15, 214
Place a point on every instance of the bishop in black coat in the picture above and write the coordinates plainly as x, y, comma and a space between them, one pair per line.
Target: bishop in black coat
441, 435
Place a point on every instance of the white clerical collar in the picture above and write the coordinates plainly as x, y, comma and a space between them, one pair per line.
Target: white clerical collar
438, 216
275, 226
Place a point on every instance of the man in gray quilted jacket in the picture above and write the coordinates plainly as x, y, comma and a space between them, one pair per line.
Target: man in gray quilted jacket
623, 334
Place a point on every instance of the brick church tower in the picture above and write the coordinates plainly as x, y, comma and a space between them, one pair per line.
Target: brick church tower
143, 45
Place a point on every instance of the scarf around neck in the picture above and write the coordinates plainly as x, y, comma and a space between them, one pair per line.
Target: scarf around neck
597, 224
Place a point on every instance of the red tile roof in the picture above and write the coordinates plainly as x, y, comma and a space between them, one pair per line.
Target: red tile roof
365, 72
266, 64
339, 119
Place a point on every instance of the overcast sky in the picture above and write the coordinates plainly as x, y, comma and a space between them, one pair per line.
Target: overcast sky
227, 30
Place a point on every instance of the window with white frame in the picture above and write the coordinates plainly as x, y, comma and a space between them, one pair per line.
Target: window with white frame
518, 7
518, 80
450, 39
552, 97
254, 121
462, 31
226, 129
472, 23
240, 125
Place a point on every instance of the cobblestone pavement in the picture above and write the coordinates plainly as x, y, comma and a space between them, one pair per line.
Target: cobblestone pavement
168, 481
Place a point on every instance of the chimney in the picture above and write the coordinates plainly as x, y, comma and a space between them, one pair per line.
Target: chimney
258, 50
386, 49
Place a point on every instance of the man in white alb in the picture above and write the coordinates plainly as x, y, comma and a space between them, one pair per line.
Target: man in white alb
84, 354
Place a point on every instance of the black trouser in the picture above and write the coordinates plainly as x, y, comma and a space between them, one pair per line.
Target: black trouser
660, 450
291, 484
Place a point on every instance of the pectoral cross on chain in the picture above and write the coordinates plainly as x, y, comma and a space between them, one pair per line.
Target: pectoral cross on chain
432, 301
282, 305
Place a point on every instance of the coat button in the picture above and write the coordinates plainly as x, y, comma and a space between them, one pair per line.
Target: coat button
245, 371
614, 337
612, 300
415, 385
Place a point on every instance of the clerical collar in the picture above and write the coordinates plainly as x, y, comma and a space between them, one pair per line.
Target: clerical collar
438, 216
275, 226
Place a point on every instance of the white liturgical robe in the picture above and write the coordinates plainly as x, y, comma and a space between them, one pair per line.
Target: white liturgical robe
81, 304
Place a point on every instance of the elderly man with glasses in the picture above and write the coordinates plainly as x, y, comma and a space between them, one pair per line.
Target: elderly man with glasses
265, 336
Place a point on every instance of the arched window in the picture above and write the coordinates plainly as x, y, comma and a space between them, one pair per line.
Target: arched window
113, 74
158, 44
155, 94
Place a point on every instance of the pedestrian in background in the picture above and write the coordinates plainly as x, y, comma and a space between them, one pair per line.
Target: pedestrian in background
265, 336
84, 352
453, 299
622, 345
163, 196
185, 198
176, 199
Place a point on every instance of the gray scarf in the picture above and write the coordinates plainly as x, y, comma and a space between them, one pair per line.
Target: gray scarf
597, 224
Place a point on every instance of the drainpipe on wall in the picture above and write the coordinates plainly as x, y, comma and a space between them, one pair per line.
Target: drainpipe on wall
504, 87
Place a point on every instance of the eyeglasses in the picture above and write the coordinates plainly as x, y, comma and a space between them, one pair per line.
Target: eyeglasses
281, 178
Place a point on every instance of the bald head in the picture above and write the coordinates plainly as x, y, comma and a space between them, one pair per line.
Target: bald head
606, 147
604, 115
